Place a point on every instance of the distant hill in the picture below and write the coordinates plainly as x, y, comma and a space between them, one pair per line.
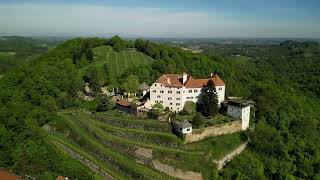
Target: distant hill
15, 50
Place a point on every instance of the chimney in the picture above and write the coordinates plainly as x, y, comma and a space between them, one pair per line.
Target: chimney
211, 74
184, 77
168, 80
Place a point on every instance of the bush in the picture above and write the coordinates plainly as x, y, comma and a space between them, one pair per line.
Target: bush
198, 120
189, 108
105, 104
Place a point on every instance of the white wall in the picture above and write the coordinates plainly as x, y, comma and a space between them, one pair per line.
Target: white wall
160, 94
174, 101
221, 93
185, 130
242, 113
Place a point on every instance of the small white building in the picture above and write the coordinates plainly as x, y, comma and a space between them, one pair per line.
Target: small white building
240, 111
144, 89
183, 127
173, 90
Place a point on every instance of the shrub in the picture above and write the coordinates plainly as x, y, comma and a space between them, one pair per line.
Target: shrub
189, 108
198, 120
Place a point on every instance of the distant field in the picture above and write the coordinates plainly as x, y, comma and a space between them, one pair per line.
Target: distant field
110, 139
119, 61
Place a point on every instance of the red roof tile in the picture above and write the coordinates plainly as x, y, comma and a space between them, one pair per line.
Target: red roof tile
175, 80
123, 102
170, 80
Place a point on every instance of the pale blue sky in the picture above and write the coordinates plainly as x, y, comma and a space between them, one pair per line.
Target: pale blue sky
162, 18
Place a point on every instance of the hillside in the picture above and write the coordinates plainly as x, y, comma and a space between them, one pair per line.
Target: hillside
118, 62
16, 50
43, 93
111, 140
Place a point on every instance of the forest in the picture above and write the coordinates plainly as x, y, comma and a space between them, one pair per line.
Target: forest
282, 79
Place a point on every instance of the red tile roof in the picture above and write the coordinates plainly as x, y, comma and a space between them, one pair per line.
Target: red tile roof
8, 176
170, 80
123, 102
175, 80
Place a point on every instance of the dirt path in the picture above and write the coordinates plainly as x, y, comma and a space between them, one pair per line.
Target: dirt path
93, 167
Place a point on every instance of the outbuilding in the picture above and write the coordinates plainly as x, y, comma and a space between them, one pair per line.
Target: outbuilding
183, 127
240, 110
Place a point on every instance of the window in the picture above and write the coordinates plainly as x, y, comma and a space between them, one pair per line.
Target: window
171, 104
154, 91
195, 91
188, 129
178, 99
170, 92
190, 91
161, 85
156, 101
178, 92
169, 98
161, 91
189, 97
220, 88
161, 102
158, 96
177, 104
155, 84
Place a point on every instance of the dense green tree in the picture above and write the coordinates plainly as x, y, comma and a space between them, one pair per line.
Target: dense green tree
117, 43
105, 104
95, 79
209, 104
198, 120
131, 84
189, 108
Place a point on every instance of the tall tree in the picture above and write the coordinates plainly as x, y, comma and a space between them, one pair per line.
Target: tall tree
132, 84
95, 79
210, 100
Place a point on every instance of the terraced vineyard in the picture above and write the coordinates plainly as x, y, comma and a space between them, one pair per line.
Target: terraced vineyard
119, 61
110, 140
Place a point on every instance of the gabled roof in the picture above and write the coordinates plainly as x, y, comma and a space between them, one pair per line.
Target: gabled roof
175, 80
184, 124
170, 80
144, 86
123, 102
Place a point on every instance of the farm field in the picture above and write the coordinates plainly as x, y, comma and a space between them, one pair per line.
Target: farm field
110, 139
118, 62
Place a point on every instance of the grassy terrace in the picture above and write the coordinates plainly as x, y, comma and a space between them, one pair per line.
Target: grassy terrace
109, 139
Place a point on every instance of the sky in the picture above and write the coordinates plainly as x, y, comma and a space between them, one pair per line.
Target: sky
162, 18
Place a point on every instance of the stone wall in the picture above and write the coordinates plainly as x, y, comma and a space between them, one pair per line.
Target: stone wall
220, 163
221, 129
177, 173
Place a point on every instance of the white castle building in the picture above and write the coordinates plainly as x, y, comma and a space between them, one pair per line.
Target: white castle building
173, 90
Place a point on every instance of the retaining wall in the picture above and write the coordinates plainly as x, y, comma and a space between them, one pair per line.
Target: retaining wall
220, 163
200, 134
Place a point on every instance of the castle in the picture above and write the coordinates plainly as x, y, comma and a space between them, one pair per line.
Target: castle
173, 90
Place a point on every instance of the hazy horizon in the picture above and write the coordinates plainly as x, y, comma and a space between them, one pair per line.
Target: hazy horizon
162, 19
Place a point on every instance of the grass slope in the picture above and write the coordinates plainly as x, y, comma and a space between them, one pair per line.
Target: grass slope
118, 62
109, 139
